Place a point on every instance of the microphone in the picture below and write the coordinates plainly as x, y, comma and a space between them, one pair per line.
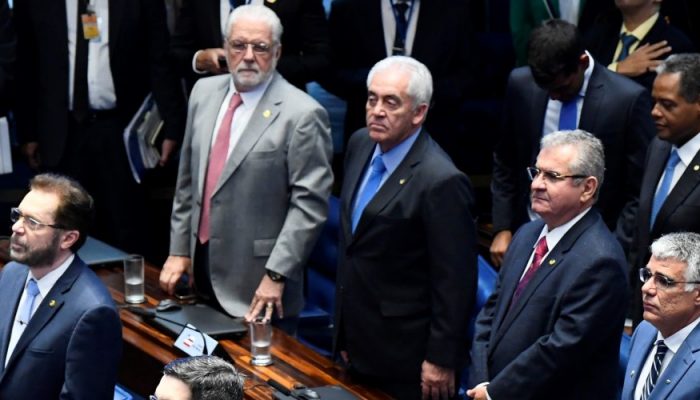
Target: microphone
150, 313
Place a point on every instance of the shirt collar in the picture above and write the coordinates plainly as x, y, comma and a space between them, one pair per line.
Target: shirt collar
675, 341
688, 151
642, 30
587, 75
556, 234
251, 97
393, 157
47, 281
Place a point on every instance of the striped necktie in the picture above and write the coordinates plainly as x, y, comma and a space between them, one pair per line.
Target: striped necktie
655, 369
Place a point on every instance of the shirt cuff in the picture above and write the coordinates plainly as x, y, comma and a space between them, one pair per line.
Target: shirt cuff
194, 64
613, 67
484, 384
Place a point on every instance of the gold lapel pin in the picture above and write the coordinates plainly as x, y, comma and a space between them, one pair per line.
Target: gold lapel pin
52, 303
551, 262
696, 167
402, 181
267, 113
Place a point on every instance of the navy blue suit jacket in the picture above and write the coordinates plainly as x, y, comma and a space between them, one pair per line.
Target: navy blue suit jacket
72, 345
679, 381
561, 339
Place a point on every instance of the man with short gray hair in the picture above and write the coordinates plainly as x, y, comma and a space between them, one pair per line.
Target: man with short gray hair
407, 270
199, 378
552, 328
662, 363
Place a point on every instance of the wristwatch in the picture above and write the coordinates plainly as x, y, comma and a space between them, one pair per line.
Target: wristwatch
275, 276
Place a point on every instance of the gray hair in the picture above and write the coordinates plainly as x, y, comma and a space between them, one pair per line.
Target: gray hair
688, 66
590, 158
208, 377
420, 84
683, 247
257, 13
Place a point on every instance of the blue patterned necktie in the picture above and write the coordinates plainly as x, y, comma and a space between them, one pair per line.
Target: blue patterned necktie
32, 292
568, 115
665, 186
655, 369
627, 42
375, 177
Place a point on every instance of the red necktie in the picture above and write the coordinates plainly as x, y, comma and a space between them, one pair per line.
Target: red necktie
540, 251
217, 160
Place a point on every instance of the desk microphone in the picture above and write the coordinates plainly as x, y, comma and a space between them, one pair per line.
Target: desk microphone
150, 313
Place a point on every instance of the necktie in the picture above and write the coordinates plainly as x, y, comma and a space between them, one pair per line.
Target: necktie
665, 186
540, 251
217, 160
32, 291
568, 115
80, 84
655, 369
400, 8
627, 42
375, 177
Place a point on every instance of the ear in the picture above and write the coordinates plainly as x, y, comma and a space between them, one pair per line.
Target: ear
419, 114
590, 186
278, 52
583, 61
68, 239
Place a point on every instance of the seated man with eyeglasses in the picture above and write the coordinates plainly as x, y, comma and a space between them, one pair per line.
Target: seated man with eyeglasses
60, 334
552, 328
199, 378
664, 348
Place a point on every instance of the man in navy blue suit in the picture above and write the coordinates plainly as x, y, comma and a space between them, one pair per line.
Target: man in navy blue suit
551, 329
665, 347
60, 335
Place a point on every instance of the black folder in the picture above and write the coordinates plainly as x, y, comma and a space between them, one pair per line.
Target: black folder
206, 319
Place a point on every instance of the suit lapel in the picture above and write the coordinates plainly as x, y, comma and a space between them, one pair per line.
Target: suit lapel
12, 291
353, 176
679, 366
637, 359
681, 190
555, 259
393, 185
264, 114
592, 101
658, 154
49, 306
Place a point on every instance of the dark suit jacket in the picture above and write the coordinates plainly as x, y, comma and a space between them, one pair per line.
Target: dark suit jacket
355, 51
409, 270
138, 49
680, 212
603, 38
71, 346
561, 339
305, 44
682, 372
615, 110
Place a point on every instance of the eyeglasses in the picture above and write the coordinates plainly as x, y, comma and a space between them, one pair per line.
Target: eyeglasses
29, 222
550, 176
260, 48
662, 282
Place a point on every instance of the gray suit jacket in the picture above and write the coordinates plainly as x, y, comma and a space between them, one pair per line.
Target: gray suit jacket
271, 200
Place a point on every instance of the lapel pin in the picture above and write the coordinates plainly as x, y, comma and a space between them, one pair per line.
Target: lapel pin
696, 167
632, 374
267, 113
668, 381
52, 303
402, 181
552, 261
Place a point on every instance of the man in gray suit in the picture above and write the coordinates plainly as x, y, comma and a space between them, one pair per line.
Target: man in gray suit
253, 182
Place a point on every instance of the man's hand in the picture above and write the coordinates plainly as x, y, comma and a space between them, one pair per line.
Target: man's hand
208, 61
172, 270
167, 149
478, 392
268, 296
645, 59
499, 245
437, 382
31, 152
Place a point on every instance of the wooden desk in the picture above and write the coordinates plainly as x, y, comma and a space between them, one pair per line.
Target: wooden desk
146, 350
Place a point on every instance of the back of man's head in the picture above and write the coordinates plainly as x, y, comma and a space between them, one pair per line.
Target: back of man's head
75, 209
688, 67
208, 377
554, 49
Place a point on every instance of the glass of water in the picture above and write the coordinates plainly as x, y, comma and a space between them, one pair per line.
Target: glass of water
260, 340
133, 279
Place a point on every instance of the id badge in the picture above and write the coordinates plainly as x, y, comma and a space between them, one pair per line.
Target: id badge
90, 28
